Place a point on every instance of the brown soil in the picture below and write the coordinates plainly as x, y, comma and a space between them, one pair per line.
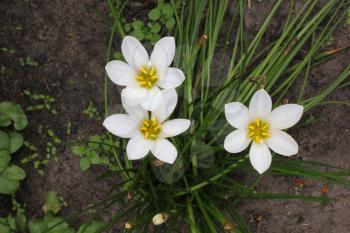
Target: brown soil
69, 38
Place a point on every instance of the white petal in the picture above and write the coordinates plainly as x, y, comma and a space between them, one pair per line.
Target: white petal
134, 95
120, 73
170, 77
236, 141
163, 52
134, 53
167, 106
260, 157
282, 143
260, 105
138, 147
121, 125
237, 115
136, 112
154, 99
174, 127
285, 116
164, 151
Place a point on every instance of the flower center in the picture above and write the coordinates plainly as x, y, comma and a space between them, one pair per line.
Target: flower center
151, 128
258, 130
147, 77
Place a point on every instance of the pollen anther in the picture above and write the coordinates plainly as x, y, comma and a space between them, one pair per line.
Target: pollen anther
147, 77
151, 128
258, 130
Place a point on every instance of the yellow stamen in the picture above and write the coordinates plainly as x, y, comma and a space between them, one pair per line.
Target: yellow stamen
151, 128
258, 130
147, 77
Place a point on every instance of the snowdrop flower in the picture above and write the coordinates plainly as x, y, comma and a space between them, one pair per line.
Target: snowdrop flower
149, 133
143, 76
263, 128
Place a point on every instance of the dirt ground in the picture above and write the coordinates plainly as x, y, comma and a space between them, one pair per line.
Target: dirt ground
68, 38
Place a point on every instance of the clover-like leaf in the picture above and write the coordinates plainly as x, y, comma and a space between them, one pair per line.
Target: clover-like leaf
4, 159
16, 141
154, 14
52, 203
84, 164
137, 24
79, 150
170, 23
8, 186
14, 173
167, 10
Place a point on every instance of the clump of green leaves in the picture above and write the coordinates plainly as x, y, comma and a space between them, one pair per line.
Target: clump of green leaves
329, 40
10, 142
28, 61
14, 223
95, 152
41, 102
160, 17
91, 111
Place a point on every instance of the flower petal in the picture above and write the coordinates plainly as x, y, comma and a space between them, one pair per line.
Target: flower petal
134, 53
134, 95
170, 77
236, 141
154, 99
260, 157
174, 127
164, 150
237, 115
282, 143
285, 116
163, 52
121, 125
136, 112
138, 147
260, 105
167, 106
120, 73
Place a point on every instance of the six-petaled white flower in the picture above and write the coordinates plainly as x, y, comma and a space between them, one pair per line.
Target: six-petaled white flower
143, 75
149, 133
263, 128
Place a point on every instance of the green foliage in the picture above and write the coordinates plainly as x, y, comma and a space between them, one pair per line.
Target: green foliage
162, 16
91, 227
53, 203
10, 112
10, 142
40, 102
49, 224
348, 18
28, 61
95, 152
91, 111
14, 224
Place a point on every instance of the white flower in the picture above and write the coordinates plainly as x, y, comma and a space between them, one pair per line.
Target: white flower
143, 76
262, 127
149, 133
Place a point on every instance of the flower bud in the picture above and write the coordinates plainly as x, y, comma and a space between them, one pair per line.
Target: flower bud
127, 225
160, 218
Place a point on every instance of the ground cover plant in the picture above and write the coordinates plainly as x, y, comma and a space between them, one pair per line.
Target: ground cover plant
198, 125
